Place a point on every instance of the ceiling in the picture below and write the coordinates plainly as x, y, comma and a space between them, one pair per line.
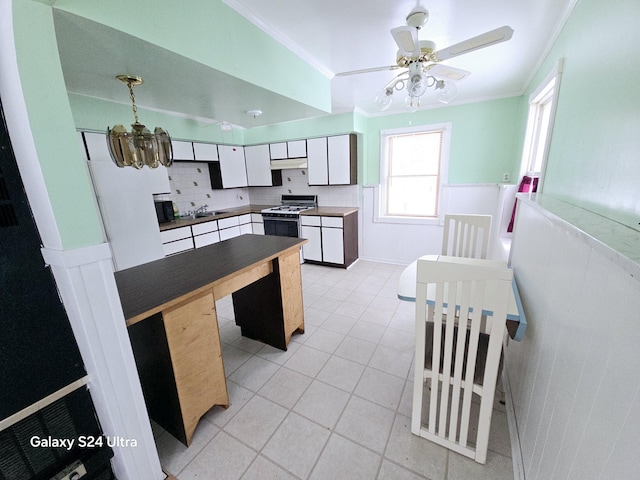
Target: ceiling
334, 36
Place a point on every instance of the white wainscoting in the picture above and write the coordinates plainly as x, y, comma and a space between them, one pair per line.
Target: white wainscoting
88, 289
574, 377
402, 243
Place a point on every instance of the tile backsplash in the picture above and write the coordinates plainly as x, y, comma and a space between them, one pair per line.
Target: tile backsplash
191, 188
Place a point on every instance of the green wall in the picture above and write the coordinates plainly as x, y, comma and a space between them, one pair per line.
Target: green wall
484, 145
63, 167
593, 159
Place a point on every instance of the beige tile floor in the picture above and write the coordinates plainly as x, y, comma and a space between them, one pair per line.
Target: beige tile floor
335, 405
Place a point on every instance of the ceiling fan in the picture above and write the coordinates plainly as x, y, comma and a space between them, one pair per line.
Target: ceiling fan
421, 61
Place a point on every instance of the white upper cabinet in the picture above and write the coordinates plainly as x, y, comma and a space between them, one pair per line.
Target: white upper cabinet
182, 150
339, 160
278, 150
232, 166
297, 149
317, 165
332, 160
205, 152
258, 164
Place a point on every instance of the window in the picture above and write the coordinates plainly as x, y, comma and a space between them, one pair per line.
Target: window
542, 105
413, 165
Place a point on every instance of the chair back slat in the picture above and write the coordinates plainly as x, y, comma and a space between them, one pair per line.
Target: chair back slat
466, 235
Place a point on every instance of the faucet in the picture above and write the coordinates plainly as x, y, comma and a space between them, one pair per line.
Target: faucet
202, 209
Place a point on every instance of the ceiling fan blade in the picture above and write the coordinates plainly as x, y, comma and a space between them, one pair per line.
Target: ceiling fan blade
367, 70
407, 40
447, 72
487, 39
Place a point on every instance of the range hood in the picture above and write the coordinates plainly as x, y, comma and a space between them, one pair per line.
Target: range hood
286, 163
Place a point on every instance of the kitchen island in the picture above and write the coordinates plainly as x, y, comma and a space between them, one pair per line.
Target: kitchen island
169, 306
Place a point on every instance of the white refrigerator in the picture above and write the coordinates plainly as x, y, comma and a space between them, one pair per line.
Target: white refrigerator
125, 199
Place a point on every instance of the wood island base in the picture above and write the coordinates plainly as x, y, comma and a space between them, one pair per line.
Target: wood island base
176, 344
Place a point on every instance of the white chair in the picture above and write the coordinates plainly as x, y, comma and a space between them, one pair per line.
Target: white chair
466, 235
468, 364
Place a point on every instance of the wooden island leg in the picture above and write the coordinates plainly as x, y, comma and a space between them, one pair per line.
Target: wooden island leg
291, 293
196, 355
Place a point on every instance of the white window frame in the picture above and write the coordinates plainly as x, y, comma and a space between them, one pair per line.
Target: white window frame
546, 93
381, 201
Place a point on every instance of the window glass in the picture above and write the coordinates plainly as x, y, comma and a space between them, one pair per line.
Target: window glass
413, 165
542, 104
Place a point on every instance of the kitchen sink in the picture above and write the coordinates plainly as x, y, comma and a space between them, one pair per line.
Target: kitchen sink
209, 214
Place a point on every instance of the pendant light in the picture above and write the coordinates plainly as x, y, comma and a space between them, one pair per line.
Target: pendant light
139, 147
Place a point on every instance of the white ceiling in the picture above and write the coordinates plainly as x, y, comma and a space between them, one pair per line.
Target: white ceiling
333, 35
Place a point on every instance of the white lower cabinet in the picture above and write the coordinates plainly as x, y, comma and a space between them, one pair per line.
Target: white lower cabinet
229, 227
185, 238
205, 233
177, 246
332, 240
312, 250
227, 233
245, 223
176, 240
206, 239
325, 237
257, 224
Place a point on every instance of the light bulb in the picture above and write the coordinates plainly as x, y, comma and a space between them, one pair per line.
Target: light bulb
412, 103
383, 99
417, 85
445, 91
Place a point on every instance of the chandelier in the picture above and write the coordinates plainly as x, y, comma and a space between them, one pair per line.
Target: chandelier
417, 81
139, 147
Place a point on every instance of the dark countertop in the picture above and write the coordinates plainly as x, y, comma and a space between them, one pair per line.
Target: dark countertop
146, 287
254, 208
228, 212
331, 211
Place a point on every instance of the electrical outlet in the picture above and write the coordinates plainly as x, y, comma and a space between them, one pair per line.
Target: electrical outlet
506, 177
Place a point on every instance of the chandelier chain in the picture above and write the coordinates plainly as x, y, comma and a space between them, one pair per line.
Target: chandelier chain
133, 101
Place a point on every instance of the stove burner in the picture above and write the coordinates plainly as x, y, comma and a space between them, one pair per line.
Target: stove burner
287, 209
292, 205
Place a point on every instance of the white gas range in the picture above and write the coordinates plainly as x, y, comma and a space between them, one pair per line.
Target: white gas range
283, 220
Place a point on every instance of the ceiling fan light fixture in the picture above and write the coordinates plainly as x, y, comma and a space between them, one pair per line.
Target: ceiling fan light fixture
139, 147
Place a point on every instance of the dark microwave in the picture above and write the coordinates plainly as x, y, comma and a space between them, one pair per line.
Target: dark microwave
164, 211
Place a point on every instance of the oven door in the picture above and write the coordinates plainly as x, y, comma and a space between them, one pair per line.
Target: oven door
282, 227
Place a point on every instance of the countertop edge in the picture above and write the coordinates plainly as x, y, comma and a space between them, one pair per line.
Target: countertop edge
331, 211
